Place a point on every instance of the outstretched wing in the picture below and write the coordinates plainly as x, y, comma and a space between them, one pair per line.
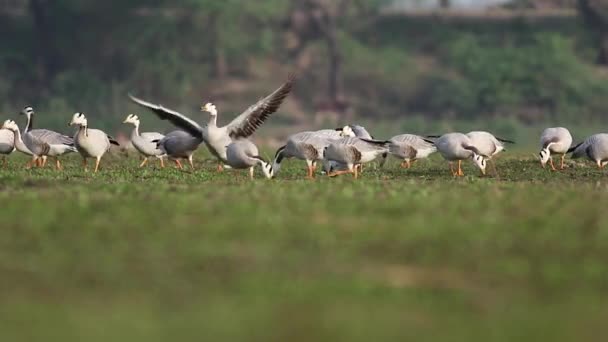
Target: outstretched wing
245, 124
174, 117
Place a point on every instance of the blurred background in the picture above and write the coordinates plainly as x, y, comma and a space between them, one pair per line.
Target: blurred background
425, 66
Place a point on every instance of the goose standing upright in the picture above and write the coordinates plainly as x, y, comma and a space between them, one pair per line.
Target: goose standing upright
243, 154
144, 142
59, 144
458, 147
90, 143
7, 143
595, 148
554, 140
30, 146
218, 138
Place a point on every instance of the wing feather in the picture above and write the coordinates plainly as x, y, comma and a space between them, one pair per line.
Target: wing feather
245, 124
172, 116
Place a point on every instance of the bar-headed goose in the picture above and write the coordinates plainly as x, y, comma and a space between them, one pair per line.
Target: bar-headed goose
308, 146
594, 148
178, 145
31, 146
144, 142
90, 143
409, 148
350, 152
243, 154
555, 140
488, 144
458, 147
59, 144
7, 143
218, 138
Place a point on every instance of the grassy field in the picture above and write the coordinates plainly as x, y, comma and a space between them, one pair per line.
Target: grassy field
158, 255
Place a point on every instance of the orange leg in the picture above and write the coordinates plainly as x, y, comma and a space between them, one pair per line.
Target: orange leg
191, 162
97, 164
220, 168
58, 164
84, 164
355, 173
561, 167
460, 173
454, 173
551, 163
162, 163
337, 173
143, 163
179, 164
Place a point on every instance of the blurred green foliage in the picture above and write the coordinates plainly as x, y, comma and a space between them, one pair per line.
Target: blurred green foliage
393, 66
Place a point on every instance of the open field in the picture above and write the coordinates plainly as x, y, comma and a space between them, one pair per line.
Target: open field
157, 255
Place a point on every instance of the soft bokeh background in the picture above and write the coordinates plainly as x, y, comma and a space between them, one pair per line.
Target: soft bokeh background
424, 66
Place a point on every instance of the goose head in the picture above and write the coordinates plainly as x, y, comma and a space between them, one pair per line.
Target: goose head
78, 119
210, 108
544, 155
480, 162
267, 170
27, 111
10, 125
132, 119
347, 131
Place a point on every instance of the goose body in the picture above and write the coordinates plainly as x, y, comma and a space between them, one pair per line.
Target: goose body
37, 139
28, 145
7, 143
90, 143
145, 143
349, 152
487, 144
308, 146
410, 147
594, 148
459, 147
554, 140
243, 154
218, 138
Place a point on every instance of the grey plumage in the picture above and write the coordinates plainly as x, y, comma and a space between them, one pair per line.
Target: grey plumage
350, 152
243, 154
594, 148
410, 147
218, 138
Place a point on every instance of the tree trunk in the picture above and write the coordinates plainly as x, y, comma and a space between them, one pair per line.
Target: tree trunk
602, 57
43, 28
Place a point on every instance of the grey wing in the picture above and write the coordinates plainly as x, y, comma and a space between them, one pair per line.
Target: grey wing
372, 145
52, 137
36, 145
172, 116
245, 124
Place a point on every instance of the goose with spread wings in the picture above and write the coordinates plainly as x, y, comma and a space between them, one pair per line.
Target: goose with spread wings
218, 138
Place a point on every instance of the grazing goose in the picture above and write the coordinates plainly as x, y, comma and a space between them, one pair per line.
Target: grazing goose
308, 146
144, 142
59, 144
91, 143
349, 152
218, 138
7, 143
243, 154
595, 148
409, 148
554, 140
457, 146
487, 144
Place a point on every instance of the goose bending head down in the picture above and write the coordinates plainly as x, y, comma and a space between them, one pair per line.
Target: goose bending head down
243, 154
458, 147
90, 143
555, 140
594, 148
218, 138
347, 154
146, 143
31, 145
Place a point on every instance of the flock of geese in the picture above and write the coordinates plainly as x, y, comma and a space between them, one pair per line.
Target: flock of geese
340, 151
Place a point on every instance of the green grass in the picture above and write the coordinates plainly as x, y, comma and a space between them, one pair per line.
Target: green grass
157, 255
